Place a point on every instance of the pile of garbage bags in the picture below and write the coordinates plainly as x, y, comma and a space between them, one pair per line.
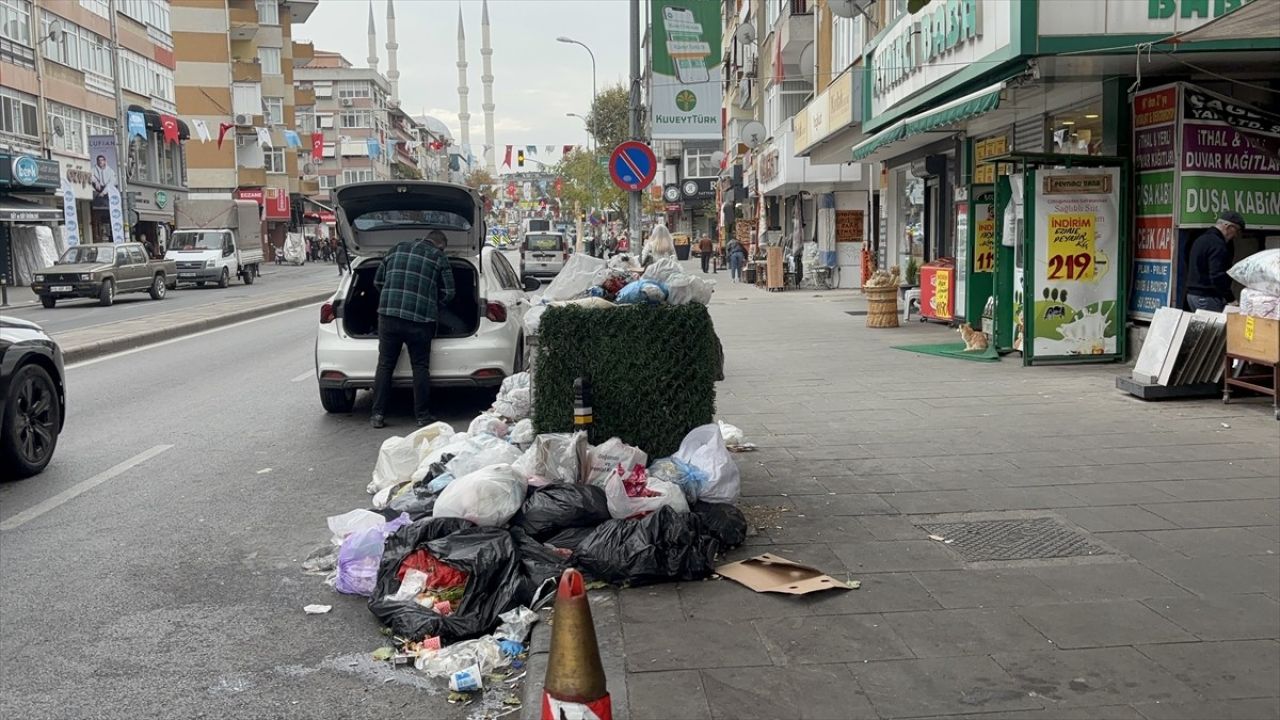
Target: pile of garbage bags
1260, 275
594, 282
467, 526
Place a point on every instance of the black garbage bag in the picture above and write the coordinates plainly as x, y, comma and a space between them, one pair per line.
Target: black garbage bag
553, 508
538, 561
663, 546
497, 578
723, 521
569, 538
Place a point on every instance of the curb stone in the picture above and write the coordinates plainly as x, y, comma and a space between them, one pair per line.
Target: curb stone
608, 622
90, 350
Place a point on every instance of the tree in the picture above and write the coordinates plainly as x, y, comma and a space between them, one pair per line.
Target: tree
479, 178
607, 122
587, 183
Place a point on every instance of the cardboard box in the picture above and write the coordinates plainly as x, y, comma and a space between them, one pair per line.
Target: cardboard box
1255, 338
770, 573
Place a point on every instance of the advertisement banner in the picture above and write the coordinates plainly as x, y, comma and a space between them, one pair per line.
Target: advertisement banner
1074, 282
686, 61
105, 172
115, 210
70, 220
1230, 160
1155, 154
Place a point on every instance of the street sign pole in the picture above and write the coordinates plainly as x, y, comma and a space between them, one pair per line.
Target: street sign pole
633, 122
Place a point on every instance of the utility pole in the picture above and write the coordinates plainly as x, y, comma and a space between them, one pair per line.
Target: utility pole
633, 122
122, 122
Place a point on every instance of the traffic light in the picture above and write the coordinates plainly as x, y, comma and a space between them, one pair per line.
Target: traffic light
520, 158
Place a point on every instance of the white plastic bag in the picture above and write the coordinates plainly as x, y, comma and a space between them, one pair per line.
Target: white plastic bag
575, 278
704, 448
488, 496
522, 433
346, 523
622, 505
1260, 271
555, 457
532, 319
606, 456
452, 445
1259, 304
663, 269
482, 451
515, 398
683, 288
400, 456
483, 651
485, 423
732, 434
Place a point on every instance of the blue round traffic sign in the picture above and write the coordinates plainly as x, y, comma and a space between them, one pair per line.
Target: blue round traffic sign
632, 166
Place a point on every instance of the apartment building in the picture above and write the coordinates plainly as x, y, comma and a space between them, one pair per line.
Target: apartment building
85, 96
352, 114
235, 64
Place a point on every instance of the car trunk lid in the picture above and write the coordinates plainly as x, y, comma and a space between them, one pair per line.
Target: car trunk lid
374, 216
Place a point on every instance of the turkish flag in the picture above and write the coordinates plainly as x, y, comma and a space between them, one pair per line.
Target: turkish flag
567, 149
506, 162
170, 125
317, 146
222, 132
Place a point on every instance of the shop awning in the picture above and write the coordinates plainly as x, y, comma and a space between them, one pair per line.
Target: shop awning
941, 117
154, 122
1252, 21
15, 210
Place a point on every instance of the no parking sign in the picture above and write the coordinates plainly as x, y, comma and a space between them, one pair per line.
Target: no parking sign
632, 166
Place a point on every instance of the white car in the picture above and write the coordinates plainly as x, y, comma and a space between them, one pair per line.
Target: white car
480, 335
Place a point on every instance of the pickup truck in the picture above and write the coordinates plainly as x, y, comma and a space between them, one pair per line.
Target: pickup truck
102, 271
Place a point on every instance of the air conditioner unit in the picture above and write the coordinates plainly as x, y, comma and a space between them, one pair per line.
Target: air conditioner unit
243, 119
346, 102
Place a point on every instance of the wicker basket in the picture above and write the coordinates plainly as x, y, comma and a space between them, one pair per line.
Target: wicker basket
882, 306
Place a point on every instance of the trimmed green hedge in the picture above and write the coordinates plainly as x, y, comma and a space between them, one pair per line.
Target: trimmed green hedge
653, 371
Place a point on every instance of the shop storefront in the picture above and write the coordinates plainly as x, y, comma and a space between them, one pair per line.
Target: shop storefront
153, 215
76, 175
277, 215
29, 213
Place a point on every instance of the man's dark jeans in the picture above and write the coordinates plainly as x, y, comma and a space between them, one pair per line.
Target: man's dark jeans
1204, 302
392, 333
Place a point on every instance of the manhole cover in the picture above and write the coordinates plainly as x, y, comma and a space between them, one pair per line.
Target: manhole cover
1032, 539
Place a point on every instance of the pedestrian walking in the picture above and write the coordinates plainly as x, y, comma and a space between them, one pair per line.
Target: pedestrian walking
414, 280
737, 258
1208, 285
704, 252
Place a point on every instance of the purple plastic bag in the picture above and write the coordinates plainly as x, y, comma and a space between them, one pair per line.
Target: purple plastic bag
359, 555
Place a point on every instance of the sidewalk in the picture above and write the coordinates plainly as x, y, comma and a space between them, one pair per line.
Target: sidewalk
1168, 609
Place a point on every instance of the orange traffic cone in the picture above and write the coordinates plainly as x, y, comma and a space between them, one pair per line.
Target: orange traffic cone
575, 687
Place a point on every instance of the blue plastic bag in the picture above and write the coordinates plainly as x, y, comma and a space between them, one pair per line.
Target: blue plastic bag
690, 479
359, 555
643, 292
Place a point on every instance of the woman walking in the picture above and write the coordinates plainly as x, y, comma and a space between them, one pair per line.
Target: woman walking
737, 258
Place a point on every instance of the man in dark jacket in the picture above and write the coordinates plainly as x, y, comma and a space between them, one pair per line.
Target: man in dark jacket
1208, 285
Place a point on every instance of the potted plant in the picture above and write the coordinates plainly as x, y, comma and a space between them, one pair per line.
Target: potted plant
913, 272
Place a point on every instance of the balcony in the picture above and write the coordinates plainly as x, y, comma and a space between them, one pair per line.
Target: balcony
303, 53
300, 10
304, 97
796, 30
251, 177
243, 17
242, 71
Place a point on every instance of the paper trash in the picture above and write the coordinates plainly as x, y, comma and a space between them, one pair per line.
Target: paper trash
770, 573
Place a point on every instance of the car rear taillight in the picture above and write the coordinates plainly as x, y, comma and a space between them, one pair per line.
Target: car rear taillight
486, 374
326, 313
333, 375
565, 256
495, 311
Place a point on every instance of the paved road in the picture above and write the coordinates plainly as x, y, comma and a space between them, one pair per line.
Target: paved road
173, 587
79, 314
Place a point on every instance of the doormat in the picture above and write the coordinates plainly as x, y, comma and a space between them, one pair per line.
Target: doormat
856, 313
952, 350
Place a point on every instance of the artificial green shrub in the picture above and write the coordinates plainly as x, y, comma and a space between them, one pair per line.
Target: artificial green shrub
653, 371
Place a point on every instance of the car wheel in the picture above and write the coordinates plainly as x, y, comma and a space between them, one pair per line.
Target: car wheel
225, 278
158, 288
107, 293
32, 419
199, 283
247, 276
48, 300
337, 400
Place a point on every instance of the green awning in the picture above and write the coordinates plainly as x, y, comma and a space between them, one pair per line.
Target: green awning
948, 113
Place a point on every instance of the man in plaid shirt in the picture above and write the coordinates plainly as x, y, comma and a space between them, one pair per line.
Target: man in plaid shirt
414, 279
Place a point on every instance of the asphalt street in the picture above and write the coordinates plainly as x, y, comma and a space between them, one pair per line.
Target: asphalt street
154, 570
79, 314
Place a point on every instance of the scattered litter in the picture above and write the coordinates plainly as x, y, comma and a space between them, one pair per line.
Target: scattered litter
317, 609
853, 584
771, 573
1226, 425
937, 538
466, 680
264, 471
383, 653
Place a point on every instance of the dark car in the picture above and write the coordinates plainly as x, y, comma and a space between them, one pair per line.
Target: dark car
33, 399
103, 271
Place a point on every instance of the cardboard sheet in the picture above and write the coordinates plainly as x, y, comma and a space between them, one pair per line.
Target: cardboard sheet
770, 573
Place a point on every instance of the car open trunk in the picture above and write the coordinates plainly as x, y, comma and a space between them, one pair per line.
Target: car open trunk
460, 318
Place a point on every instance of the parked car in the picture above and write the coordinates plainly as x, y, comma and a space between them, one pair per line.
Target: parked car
543, 255
479, 340
103, 271
33, 401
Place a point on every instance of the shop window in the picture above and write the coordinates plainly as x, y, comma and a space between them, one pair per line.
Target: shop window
1077, 131
269, 57
268, 12
910, 217
18, 114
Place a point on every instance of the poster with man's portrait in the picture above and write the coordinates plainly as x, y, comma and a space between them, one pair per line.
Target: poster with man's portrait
105, 168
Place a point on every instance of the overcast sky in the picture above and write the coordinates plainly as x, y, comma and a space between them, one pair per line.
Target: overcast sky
536, 79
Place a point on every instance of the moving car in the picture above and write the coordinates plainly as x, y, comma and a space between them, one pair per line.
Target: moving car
33, 400
480, 336
543, 254
217, 240
102, 271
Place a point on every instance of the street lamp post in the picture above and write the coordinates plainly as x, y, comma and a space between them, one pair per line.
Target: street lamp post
571, 41
586, 125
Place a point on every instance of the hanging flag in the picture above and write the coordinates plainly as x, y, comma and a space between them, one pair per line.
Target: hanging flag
550, 149
222, 132
374, 148
506, 161
264, 138
202, 130
533, 149
169, 124
70, 219
567, 149
115, 210
137, 125
291, 139
317, 146
455, 162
